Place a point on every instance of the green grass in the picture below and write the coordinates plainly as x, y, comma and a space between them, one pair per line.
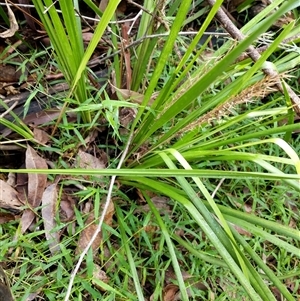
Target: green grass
218, 153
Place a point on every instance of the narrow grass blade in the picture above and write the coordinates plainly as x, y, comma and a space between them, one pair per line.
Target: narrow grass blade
170, 245
124, 238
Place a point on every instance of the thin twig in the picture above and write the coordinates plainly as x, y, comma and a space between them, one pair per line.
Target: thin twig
11, 147
101, 219
134, 21
255, 55
217, 188
9, 109
152, 14
265, 47
19, 5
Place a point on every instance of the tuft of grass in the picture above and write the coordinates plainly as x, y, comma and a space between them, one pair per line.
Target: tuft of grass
224, 159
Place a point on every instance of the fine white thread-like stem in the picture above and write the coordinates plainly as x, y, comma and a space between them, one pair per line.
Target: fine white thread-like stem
106, 205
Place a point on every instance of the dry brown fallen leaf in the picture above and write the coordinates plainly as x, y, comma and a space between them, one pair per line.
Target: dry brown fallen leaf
91, 226
126, 116
170, 292
89, 230
9, 74
160, 202
36, 186
36, 182
9, 197
108, 219
42, 117
12, 23
134, 96
6, 217
87, 161
87, 36
67, 205
37, 118
103, 5
11, 179
49, 200
99, 274
241, 230
40, 136
22, 186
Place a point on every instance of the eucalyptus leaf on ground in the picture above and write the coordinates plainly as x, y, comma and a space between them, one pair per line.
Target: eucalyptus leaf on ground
196, 163
49, 203
36, 186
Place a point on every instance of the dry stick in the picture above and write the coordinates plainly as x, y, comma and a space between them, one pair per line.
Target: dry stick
255, 55
101, 219
217, 188
265, 47
9, 109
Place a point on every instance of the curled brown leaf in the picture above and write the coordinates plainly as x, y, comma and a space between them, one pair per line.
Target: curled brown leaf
12, 23
9, 197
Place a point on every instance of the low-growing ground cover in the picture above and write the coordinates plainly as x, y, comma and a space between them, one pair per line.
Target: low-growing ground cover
152, 159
